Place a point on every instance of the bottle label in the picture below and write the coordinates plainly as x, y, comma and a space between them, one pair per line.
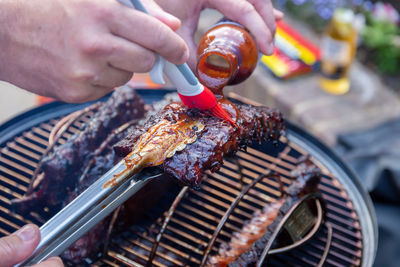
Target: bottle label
335, 51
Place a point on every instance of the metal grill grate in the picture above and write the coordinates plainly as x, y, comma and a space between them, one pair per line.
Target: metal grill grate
196, 214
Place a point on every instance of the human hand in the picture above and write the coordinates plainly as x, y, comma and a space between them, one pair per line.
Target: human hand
78, 50
20, 245
256, 15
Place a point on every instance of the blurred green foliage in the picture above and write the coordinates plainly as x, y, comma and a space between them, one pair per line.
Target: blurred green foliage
381, 37
306, 13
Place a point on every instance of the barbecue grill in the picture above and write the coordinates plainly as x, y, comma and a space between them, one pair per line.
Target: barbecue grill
189, 225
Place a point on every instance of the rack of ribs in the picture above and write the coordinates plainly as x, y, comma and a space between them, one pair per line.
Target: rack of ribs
217, 139
58, 171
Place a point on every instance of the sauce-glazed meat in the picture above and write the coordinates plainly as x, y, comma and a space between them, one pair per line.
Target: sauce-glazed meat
72, 167
217, 139
246, 246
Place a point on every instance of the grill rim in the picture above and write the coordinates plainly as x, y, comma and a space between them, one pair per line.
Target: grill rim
348, 180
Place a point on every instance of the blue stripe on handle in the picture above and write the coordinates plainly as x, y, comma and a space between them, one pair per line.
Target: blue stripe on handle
139, 6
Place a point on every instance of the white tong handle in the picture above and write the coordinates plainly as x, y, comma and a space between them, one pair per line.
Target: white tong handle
179, 75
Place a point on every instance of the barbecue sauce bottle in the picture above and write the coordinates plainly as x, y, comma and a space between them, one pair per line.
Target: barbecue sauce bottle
227, 54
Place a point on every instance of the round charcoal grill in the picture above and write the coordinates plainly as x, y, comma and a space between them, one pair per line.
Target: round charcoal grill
178, 232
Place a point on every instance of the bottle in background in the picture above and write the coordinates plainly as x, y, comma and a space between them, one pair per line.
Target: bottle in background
227, 54
338, 51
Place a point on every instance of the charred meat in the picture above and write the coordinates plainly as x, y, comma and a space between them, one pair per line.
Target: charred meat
59, 170
217, 139
70, 168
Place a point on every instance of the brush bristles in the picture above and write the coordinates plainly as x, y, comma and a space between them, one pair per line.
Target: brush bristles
219, 112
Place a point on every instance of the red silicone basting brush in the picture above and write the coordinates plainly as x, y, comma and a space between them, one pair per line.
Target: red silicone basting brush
206, 100
192, 93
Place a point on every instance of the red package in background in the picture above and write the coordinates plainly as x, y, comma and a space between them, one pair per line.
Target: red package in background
294, 55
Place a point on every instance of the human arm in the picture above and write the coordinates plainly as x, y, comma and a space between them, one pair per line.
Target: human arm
78, 50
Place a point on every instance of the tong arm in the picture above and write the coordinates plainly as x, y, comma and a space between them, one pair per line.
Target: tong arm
85, 211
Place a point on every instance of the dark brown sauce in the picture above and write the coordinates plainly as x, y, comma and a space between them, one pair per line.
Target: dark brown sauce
227, 55
160, 142
213, 76
217, 139
114, 181
229, 107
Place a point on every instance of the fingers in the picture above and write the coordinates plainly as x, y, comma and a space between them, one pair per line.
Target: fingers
83, 93
256, 15
156, 11
88, 82
150, 33
111, 77
51, 262
130, 57
278, 14
187, 33
97, 92
19, 245
265, 10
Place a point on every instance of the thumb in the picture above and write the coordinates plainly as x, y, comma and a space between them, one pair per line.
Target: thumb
19, 245
278, 15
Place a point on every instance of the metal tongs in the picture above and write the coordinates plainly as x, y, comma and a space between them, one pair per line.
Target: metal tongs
88, 209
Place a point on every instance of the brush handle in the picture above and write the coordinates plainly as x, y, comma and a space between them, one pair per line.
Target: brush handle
183, 79
192, 93
156, 73
179, 75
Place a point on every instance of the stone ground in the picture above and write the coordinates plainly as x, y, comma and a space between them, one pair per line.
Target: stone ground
367, 104
13, 101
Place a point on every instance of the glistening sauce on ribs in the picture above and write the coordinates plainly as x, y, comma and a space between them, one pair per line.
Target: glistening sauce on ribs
217, 139
62, 176
73, 166
160, 142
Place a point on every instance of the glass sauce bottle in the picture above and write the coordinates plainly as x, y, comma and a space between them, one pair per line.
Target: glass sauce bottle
227, 54
338, 51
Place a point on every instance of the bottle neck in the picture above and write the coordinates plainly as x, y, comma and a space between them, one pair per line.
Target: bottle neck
217, 65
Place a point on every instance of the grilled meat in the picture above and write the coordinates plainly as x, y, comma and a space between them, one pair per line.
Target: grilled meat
92, 162
89, 245
73, 166
61, 169
217, 139
246, 246
251, 232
